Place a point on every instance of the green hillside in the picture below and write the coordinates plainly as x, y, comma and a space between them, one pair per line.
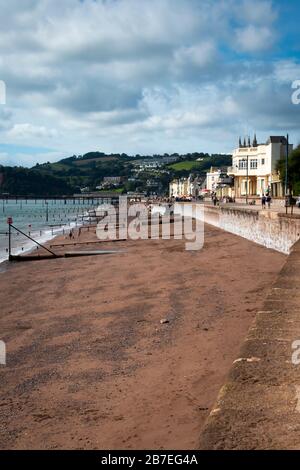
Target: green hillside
70, 174
185, 165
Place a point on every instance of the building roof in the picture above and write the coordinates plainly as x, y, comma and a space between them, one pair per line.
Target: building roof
220, 169
277, 139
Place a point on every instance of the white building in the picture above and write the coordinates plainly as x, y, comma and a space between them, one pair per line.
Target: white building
179, 188
218, 181
254, 167
212, 178
185, 187
113, 180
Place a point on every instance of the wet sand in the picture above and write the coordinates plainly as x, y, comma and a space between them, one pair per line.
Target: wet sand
89, 364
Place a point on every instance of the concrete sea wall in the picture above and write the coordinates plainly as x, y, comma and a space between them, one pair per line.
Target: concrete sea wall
270, 229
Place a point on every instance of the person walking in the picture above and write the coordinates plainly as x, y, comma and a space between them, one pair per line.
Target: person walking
263, 202
269, 200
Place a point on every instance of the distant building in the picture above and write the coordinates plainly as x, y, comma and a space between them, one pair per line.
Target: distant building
169, 159
146, 165
196, 185
179, 188
254, 167
153, 183
154, 163
185, 187
212, 178
112, 180
85, 190
218, 181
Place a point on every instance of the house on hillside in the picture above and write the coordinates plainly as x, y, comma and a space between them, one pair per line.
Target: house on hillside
112, 180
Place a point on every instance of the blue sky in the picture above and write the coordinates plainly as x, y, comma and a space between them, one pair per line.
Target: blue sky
145, 77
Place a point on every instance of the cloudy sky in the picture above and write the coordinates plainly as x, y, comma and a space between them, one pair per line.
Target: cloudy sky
145, 76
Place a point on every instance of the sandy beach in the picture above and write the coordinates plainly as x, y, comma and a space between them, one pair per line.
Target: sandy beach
91, 366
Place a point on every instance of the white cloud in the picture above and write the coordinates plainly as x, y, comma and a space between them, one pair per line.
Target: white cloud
28, 131
137, 76
198, 55
254, 38
286, 71
259, 12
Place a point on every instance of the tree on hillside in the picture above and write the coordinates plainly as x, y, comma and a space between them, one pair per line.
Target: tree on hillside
25, 182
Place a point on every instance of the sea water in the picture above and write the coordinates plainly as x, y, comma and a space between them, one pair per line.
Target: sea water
40, 219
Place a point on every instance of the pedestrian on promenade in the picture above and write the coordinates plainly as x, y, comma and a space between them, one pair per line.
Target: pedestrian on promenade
263, 201
269, 200
215, 200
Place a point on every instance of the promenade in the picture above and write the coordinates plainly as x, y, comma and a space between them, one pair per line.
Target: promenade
259, 405
275, 208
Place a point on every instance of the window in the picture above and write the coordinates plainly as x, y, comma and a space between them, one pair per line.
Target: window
253, 164
242, 164
263, 161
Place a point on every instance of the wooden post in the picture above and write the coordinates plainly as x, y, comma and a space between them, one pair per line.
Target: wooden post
9, 221
9, 241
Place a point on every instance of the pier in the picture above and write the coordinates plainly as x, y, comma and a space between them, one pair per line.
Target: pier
96, 198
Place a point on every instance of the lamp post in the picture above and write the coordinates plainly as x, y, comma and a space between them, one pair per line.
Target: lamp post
247, 179
286, 189
247, 176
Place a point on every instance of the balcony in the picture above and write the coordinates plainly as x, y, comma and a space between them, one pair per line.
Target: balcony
225, 180
237, 171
